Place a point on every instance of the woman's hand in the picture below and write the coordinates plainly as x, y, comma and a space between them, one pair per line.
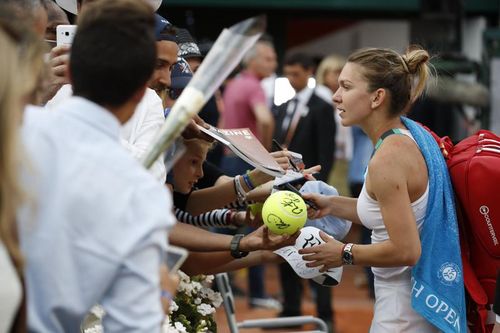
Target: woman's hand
322, 203
328, 255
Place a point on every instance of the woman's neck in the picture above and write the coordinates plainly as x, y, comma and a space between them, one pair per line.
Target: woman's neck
375, 131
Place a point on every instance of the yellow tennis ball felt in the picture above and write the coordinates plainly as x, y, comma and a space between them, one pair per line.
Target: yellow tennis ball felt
284, 212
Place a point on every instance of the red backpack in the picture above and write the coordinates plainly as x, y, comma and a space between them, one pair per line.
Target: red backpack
474, 166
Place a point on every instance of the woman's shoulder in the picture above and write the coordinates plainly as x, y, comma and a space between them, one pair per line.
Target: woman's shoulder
396, 147
397, 152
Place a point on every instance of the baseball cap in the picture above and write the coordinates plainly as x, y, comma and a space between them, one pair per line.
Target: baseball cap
187, 46
179, 78
309, 237
71, 5
161, 24
332, 225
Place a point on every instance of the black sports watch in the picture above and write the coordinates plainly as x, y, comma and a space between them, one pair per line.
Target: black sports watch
347, 258
235, 247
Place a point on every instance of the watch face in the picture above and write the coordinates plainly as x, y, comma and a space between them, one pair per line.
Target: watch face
347, 257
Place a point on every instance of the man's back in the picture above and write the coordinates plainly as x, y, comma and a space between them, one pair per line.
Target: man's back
96, 227
241, 96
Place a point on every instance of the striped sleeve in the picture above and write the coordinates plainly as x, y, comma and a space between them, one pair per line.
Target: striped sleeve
214, 218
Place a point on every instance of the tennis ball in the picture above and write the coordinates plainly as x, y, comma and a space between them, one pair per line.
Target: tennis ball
284, 212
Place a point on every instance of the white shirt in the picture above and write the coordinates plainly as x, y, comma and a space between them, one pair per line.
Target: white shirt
304, 96
370, 215
297, 107
137, 134
10, 291
96, 227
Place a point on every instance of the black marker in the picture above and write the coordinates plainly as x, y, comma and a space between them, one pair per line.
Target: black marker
278, 147
294, 190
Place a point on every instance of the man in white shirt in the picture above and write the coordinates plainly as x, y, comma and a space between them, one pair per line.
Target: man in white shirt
96, 228
138, 133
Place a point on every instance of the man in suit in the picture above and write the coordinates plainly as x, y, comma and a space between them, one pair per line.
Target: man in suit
306, 124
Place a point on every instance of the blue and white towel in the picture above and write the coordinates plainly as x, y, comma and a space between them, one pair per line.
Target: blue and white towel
437, 278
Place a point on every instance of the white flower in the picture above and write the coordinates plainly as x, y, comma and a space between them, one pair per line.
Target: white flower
183, 277
196, 286
197, 300
179, 327
205, 309
217, 299
209, 278
186, 288
173, 307
214, 297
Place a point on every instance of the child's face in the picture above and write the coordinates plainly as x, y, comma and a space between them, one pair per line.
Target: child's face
189, 168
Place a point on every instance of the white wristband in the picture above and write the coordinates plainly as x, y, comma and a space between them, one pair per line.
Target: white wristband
240, 191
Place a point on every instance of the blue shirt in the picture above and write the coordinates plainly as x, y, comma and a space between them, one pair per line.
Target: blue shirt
95, 225
362, 149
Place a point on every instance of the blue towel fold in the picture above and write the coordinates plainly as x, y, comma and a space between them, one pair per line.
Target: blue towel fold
437, 278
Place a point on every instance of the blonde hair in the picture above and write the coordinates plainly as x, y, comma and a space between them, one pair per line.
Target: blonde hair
198, 143
332, 63
404, 76
10, 118
21, 69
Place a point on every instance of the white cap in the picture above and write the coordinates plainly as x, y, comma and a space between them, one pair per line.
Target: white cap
309, 237
70, 5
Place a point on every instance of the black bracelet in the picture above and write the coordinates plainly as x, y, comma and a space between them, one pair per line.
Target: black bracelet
235, 247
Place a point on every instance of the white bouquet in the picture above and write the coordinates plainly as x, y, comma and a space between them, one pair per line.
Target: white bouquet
193, 308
